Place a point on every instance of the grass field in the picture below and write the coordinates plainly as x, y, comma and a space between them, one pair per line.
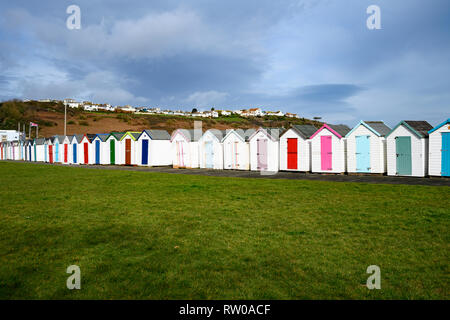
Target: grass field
145, 235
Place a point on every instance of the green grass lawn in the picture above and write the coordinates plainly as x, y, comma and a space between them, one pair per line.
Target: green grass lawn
143, 235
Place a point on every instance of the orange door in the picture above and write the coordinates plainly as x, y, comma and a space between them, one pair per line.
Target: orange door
50, 153
128, 152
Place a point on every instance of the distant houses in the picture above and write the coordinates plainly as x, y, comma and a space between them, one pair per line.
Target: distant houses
251, 112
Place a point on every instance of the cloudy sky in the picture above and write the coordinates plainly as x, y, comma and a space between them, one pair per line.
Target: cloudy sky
311, 57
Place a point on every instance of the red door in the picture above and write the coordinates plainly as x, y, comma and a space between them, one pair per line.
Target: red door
326, 153
86, 153
127, 152
50, 153
65, 153
292, 156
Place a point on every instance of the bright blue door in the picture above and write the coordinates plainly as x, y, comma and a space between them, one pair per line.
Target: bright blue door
363, 153
57, 152
74, 146
29, 153
144, 151
97, 152
209, 154
445, 153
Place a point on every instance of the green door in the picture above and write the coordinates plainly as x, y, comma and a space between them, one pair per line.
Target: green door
112, 151
403, 150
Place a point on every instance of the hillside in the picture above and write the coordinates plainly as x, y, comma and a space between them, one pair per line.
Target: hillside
50, 117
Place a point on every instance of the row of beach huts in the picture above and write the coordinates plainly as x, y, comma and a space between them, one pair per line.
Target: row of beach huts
411, 148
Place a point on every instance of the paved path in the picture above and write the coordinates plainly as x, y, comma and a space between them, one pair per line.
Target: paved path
435, 181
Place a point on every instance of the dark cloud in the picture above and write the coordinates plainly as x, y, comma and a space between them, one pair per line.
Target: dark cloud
311, 57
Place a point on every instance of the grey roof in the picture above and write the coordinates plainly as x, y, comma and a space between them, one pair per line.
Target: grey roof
103, 136
219, 134
158, 134
79, 137
40, 141
189, 134
118, 135
422, 127
342, 129
245, 134
304, 130
60, 137
274, 132
134, 134
379, 126
91, 136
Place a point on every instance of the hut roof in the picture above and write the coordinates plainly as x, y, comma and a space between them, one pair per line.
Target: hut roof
418, 128
304, 130
157, 134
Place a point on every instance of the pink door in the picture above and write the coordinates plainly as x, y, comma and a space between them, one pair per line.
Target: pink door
325, 152
262, 154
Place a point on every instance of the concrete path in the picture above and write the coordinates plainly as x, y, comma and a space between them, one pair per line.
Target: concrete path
434, 181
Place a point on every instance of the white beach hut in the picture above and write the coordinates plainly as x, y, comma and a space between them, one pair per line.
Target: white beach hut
265, 149
236, 149
185, 151
295, 148
439, 151
366, 147
75, 149
211, 149
407, 149
328, 149
154, 148
113, 146
84, 153
65, 149
39, 147
128, 148
101, 149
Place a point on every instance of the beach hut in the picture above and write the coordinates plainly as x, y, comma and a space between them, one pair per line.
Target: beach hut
39, 149
439, 150
63, 149
48, 150
265, 149
91, 148
154, 148
128, 148
84, 147
295, 148
29, 150
328, 149
14, 150
236, 149
113, 143
58, 148
407, 149
101, 149
366, 147
76, 149
1, 151
211, 149
185, 151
